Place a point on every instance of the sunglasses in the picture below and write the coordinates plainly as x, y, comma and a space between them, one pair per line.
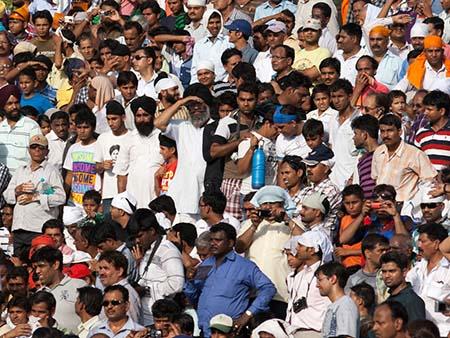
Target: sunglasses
37, 146
428, 205
383, 196
106, 303
139, 57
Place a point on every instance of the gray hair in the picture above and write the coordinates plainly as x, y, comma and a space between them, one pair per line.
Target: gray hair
203, 241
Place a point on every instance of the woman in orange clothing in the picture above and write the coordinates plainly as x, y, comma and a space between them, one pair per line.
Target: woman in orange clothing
350, 253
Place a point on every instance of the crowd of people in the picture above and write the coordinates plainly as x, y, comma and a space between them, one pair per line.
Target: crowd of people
225, 168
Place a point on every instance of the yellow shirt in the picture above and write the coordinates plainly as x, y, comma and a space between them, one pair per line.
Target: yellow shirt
306, 59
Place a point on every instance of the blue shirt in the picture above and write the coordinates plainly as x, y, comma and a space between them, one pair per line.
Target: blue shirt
266, 9
38, 101
226, 289
389, 69
49, 92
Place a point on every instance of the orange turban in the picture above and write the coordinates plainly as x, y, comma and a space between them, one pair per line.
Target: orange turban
41, 241
433, 41
21, 14
382, 30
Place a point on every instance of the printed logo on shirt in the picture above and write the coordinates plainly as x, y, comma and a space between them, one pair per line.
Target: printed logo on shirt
83, 173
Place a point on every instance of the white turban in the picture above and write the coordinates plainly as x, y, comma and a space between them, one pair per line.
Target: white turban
124, 201
72, 215
206, 64
419, 30
164, 84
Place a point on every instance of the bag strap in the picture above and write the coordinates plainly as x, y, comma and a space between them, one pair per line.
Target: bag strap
152, 254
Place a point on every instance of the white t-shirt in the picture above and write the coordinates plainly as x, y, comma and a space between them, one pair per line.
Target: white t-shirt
108, 148
202, 226
291, 146
271, 162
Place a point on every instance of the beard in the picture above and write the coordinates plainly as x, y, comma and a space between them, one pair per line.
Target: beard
14, 115
200, 119
144, 128
171, 99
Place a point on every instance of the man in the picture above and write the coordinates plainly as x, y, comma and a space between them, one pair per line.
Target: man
242, 275
116, 303
127, 84
309, 58
430, 277
196, 9
342, 316
178, 17
389, 64
123, 206
330, 71
113, 270
398, 44
143, 62
418, 109
48, 264
399, 164
17, 282
55, 229
349, 50
272, 7
161, 269
44, 41
230, 13
322, 12
229, 59
394, 267
85, 46
306, 307
315, 208
15, 130
139, 158
168, 94
365, 136
57, 137
88, 306
37, 191
188, 135
340, 132
282, 59
17, 24
133, 35
239, 31
109, 145
389, 320
430, 139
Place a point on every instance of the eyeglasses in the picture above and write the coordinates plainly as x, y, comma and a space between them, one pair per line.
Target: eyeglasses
106, 303
139, 57
383, 196
428, 205
37, 146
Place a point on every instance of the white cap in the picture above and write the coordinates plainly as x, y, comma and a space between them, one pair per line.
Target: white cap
77, 257
317, 201
72, 215
425, 188
419, 30
196, 3
124, 201
24, 46
205, 64
317, 239
164, 84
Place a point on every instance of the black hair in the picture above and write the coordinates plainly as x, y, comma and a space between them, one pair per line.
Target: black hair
117, 259
60, 114
87, 117
28, 71
91, 298
120, 288
163, 203
313, 128
108, 43
49, 255
103, 232
43, 297
92, 195
228, 98
367, 123
145, 220
289, 51
343, 84
45, 14
325, 8
295, 80
296, 163
229, 230
149, 52
29, 111
165, 308
436, 21
20, 302
43, 118
52, 224
216, 200
334, 269
185, 322
126, 77
393, 94
414, 54
423, 328
372, 61
78, 108
48, 332
353, 189
248, 197
434, 231
111, 3
22, 57
391, 120
353, 29
331, 63
398, 311
321, 88
84, 36
244, 71
399, 258
151, 4
438, 99
248, 88
187, 231
17, 272
366, 293
228, 53
133, 25
371, 241
387, 189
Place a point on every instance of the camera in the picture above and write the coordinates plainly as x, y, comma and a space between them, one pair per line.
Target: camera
300, 304
69, 19
441, 307
264, 213
375, 205
153, 334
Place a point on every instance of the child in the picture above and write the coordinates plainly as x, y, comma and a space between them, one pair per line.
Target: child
28, 84
350, 253
397, 103
324, 113
313, 133
44, 123
227, 104
18, 312
92, 203
30, 111
165, 174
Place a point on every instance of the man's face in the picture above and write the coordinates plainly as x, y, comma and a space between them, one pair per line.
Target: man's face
287, 129
214, 26
317, 13
46, 271
322, 101
132, 39
143, 122
11, 108
375, 254
115, 122
417, 42
38, 153
128, 91
378, 43
195, 13
5, 47
398, 32
220, 245
434, 114
145, 238
42, 27
87, 49
432, 212
5, 66
427, 247
61, 128
84, 131
220, 5
390, 135
275, 39
340, 99
359, 138
16, 26
309, 215
323, 284
246, 102
359, 11
417, 103
317, 173
259, 41
26, 84
328, 75
56, 234
140, 61
199, 113
383, 324
370, 106
7, 216
176, 6
41, 311
108, 274
219, 334
289, 176
311, 36
205, 77
364, 66
345, 42
41, 72
150, 16
203, 252
115, 306
18, 315
434, 56
17, 286
162, 324
279, 60
392, 275
232, 62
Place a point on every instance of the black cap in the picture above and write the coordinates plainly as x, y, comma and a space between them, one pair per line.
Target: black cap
121, 50
201, 91
319, 154
166, 141
144, 102
114, 108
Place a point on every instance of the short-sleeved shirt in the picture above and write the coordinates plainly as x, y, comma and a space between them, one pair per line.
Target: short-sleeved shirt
341, 319
37, 101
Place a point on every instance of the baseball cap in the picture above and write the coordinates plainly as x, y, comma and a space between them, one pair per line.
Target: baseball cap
276, 26
221, 322
317, 201
240, 25
312, 24
39, 140
320, 154
23, 47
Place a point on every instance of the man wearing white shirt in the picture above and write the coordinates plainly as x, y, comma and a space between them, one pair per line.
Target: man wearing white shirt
195, 10
304, 11
59, 122
144, 59
322, 12
88, 306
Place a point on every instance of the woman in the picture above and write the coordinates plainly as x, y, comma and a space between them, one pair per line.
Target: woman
100, 91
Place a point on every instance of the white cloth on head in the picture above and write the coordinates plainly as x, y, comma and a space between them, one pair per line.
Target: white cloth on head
205, 64
317, 239
124, 201
72, 215
164, 84
419, 29
276, 327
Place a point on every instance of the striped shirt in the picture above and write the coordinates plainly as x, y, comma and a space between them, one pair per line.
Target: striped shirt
436, 144
14, 142
365, 175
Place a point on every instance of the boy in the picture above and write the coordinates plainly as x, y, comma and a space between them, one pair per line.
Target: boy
55, 229
28, 84
313, 133
107, 151
43, 40
92, 203
18, 311
127, 84
323, 113
165, 174
397, 103
80, 164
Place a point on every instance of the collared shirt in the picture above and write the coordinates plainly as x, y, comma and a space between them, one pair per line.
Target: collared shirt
49, 184
325, 118
147, 87
213, 296
198, 32
266, 9
445, 15
83, 328
208, 49
414, 305
263, 66
103, 327
432, 286
56, 148
389, 68
436, 144
429, 79
402, 52
163, 277
15, 140
348, 66
328, 41
304, 285
403, 169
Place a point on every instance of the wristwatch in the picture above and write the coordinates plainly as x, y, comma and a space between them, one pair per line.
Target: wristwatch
249, 313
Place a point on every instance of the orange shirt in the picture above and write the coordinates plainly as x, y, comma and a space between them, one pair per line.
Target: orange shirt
348, 261
169, 173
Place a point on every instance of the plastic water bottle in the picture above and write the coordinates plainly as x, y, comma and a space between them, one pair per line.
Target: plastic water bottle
258, 168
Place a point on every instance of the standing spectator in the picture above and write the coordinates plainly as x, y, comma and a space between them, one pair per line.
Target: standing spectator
330, 70
57, 137
322, 11
195, 11
239, 31
324, 113
273, 7
364, 297
389, 320
15, 130
88, 306
55, 229
44, 42
127, 84
144, 59
37, 191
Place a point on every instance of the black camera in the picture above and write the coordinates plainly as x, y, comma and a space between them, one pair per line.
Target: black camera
153, 334
300, 304
263, 213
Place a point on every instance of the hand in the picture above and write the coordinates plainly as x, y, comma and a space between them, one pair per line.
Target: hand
437, 190
137, 334
361, 81
110, 63
174, 330
137, 253
108, 164
188, 99
19, 330
401, 19
253, 141
25, 199
28, 187
114, 15
366, 207
239, 323
190, 272
93, 12
280, 214
255, 218
340, 252
389, 207
16, 261
57, 40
